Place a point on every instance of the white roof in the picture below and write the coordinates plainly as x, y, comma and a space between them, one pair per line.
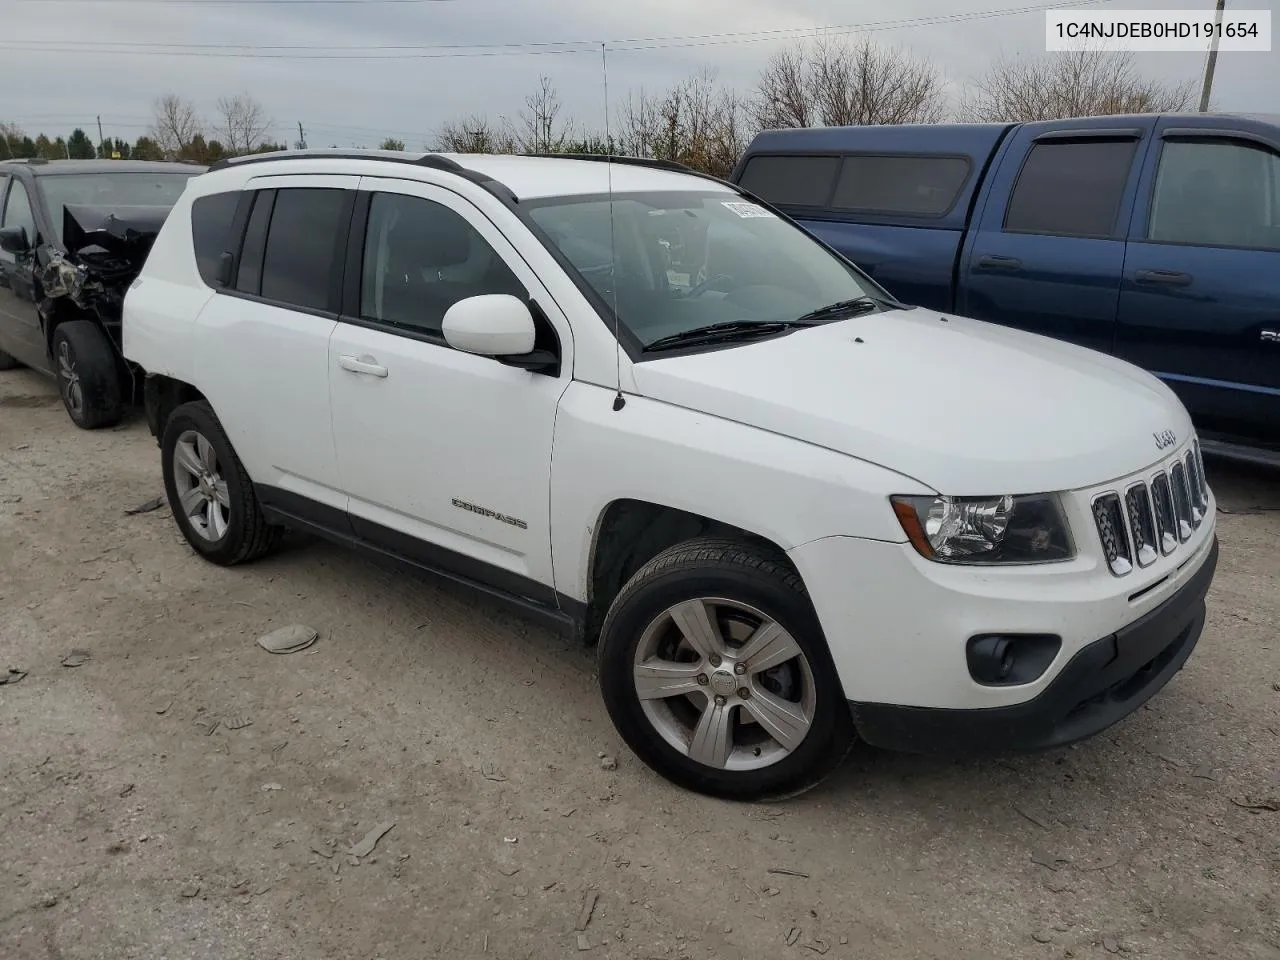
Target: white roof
527, 177
531, 177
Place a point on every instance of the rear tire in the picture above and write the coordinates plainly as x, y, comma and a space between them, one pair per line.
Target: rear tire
209, 490
750, 708
88, 375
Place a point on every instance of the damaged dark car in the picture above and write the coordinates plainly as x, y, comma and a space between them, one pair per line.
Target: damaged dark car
73, 236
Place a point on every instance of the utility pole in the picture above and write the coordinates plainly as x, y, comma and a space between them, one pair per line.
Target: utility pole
1212, 64
302, 137
102, 145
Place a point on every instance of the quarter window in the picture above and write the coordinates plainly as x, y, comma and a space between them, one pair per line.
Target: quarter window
211, 219
1072, 188
1217, 194
420, 258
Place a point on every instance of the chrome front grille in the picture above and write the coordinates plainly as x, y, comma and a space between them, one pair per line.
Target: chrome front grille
1153, 515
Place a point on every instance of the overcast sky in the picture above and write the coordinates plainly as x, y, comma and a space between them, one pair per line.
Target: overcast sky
55, 75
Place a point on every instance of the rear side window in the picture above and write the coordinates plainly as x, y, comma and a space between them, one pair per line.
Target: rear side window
211, 218
791, 181
917, 186
1071, 188
308, 229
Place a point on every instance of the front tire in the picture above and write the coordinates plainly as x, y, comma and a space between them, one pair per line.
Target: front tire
88, 375
715, 671
209, 490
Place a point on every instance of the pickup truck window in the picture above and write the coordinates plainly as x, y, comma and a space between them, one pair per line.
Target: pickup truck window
1071, 188
1217, 194
791, 181
916, 186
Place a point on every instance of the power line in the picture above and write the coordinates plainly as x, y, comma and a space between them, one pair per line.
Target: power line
525, 48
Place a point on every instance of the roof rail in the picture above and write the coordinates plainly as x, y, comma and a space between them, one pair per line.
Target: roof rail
431, 160
615, 158
35, 161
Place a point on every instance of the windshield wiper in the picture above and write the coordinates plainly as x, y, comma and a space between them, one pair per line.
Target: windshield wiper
723, 333
844, 308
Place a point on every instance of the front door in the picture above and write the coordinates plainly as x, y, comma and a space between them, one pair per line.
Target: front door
20, 333
1200, 304
445, 455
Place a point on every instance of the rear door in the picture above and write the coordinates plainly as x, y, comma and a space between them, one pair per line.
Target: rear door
264, 364
1200, 304
1047, 253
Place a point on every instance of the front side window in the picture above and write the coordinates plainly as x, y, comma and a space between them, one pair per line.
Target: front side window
675, 262
1217, 194
17, 211
420, 258
110, 190
1071, 188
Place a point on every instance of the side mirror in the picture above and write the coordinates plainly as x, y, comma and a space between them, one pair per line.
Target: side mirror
491, 325
14, 240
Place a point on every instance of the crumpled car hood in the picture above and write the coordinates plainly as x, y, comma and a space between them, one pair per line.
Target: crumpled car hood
105, 250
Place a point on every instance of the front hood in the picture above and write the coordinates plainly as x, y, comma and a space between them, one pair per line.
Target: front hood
965, 407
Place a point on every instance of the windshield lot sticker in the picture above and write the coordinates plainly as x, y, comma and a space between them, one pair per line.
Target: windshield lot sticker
746, 210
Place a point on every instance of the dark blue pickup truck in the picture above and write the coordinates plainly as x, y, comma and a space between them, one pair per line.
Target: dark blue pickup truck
1152, 237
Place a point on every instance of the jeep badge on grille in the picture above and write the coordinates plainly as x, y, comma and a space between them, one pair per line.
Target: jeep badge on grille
1165, 439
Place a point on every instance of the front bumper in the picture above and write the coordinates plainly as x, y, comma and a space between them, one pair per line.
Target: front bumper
1103, 683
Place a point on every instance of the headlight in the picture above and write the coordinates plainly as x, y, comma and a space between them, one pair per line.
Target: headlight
1004, 529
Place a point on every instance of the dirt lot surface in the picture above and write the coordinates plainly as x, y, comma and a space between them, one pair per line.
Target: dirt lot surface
133, 826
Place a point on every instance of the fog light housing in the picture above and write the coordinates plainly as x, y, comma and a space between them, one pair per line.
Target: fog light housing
1008, 659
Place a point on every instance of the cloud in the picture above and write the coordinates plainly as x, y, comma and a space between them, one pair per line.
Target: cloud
358, 101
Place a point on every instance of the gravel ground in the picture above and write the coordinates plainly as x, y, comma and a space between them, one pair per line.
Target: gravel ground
181, 793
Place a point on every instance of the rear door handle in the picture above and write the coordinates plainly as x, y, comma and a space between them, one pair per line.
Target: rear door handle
1271, 336
1168, 278
996, 262
363, 364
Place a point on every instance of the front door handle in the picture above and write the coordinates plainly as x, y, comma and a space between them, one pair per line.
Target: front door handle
1168, 278
996, 262
363, 364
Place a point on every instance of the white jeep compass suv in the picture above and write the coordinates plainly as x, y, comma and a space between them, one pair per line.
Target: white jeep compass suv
641, 404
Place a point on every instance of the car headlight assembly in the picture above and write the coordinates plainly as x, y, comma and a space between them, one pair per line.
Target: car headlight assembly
981, 530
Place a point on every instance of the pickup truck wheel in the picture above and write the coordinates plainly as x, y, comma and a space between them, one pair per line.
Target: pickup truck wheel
715, 671
209, 491
7, 362
88, 375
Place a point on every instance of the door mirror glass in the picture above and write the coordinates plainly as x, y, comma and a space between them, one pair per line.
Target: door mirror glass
14, 240
491, 325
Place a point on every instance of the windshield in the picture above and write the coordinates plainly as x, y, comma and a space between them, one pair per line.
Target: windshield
688, 260
110, 190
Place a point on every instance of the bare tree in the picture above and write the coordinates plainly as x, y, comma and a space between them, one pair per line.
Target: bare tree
837, 83
1079, 83
696, 122
539, 128
784, 93
175, 125
10, 137
242, 123
474, 134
